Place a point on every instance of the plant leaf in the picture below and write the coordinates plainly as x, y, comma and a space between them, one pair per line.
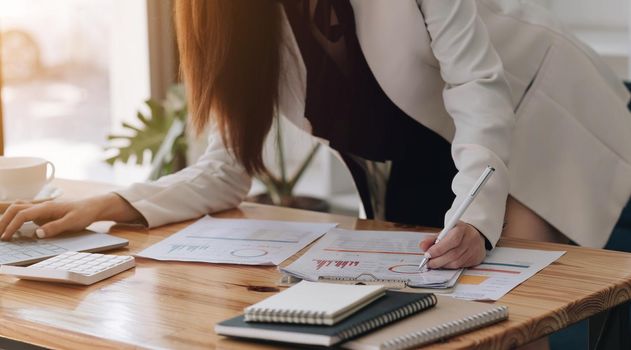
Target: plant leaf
150, 136
131, 127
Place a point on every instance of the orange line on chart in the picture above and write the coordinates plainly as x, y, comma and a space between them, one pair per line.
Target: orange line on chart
369, 251
494, 270
475, 280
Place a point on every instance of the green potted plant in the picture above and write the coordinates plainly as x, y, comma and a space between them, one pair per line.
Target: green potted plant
162, 132
280, 188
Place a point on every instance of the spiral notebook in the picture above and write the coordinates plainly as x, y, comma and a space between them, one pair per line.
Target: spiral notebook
390, 308
448, 318
313, 303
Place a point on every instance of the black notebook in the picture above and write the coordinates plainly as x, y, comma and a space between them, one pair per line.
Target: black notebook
390, 308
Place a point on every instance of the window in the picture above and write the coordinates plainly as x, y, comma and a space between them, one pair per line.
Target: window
71, 77
56, 96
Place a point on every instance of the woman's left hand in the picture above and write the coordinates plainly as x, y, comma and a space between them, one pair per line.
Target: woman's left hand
464, 246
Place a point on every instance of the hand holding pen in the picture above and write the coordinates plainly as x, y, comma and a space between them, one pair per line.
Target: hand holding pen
458, 244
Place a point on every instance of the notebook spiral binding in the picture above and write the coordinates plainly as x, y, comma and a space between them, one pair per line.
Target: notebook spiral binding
285, 316
429, 301
446, 330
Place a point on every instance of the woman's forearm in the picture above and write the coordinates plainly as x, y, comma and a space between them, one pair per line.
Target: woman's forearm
112, 207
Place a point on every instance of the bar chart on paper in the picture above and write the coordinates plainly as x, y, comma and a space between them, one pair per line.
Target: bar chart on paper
340, 264
502, 270
369, 255
237, 241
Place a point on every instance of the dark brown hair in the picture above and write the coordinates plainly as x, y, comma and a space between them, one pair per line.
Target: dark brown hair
229, 56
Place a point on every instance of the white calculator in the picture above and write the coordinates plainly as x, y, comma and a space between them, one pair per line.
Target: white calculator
73, 267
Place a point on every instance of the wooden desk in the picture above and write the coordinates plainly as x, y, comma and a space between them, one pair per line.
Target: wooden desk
176, 304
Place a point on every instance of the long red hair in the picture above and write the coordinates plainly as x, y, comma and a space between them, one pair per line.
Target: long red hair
229, 57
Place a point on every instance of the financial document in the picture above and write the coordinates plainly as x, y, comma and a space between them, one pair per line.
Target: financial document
237, 241
369, 255
502, 270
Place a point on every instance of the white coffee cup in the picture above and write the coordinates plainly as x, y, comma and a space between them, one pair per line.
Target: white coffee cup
22, 178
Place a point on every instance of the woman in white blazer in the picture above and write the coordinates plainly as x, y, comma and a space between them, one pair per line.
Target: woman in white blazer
499, 81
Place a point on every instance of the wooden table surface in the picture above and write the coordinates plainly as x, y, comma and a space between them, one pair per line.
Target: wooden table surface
176, 304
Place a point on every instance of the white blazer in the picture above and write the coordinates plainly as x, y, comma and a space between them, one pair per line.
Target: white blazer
500, 79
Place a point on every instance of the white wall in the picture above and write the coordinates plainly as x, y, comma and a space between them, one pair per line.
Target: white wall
589, 13
592, 13
602, 24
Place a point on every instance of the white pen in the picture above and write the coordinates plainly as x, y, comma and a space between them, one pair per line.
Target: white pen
461, 209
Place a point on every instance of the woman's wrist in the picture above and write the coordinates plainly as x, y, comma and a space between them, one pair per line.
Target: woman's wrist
112, 207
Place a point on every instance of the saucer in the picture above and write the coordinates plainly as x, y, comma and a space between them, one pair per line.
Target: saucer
47, 193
